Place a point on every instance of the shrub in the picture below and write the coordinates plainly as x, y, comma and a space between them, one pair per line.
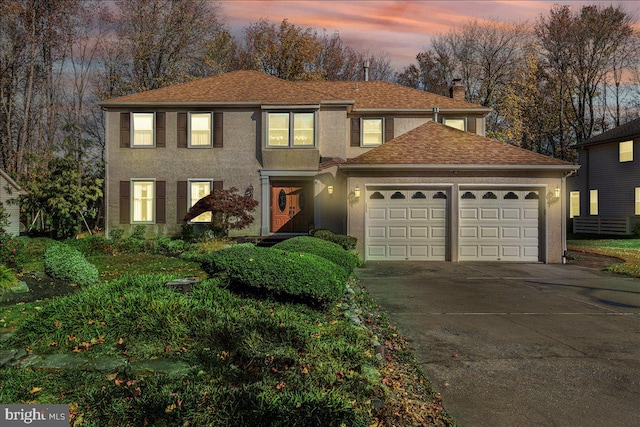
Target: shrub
7, 277
138, 232
347, 242
116, 234
11, 252
327, 250
171, 247
91, 245
66, 263
300, 276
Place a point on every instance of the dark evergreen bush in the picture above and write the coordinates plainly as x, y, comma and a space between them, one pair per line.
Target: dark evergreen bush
347, 242
328, 250
66, 263
303, 276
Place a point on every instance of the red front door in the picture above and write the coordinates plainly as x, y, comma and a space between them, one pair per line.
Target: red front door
291, 207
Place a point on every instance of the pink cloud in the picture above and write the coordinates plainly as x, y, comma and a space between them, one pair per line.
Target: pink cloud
400, 28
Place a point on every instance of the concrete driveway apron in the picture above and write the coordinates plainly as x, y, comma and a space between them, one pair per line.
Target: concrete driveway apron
519, 344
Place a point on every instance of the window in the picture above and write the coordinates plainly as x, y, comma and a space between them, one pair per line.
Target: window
280, 133
200, 130
574, 204
460, 124
593, 202
637, 200
371, 132
142, 130
198, 190
143, 201
626, 151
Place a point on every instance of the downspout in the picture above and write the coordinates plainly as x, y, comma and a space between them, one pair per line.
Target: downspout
436, 110
563, 203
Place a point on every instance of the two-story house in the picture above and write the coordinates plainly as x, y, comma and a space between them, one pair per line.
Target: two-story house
604, 195
409, 173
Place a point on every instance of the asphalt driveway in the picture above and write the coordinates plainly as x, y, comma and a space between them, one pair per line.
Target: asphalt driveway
519, 344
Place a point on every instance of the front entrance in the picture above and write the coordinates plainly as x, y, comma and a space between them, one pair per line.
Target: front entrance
291, 207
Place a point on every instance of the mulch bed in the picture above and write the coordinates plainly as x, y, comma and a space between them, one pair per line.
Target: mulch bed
41, 287
589, 260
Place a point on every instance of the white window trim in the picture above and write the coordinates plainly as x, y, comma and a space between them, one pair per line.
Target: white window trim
190, 197
574, 195
362, 120
210, 144
133, 129
132, 200
291, 129
627, 152
593, 205
464, 120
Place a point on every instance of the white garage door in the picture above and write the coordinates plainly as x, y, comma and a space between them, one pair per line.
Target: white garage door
498, 225
406, 225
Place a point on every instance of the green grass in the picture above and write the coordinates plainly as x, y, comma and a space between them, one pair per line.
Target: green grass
626, 249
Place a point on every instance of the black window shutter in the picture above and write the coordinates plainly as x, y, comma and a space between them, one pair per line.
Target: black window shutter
161, 137
182, 130
388, 129
125, 206
217, 185
181, 202
161, 206
355, 132
125, 130
217, 130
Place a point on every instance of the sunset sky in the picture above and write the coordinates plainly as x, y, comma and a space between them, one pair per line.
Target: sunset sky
399, 28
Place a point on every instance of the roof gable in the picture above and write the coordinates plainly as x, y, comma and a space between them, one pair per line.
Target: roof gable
437, 144
623, 132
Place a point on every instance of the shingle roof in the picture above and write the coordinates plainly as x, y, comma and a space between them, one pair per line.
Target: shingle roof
437, 144
237, 86
255, 87
385, 95
623, 132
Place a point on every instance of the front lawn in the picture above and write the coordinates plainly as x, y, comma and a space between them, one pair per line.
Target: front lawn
130, 351
626, 249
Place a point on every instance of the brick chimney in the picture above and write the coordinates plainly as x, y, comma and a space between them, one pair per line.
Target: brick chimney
456, 91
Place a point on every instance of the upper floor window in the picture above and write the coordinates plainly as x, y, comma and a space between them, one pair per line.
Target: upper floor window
142, 129
626, 151
291, 129
200, 129
371, 132
143, 201
456, 123
593, 202
574, 204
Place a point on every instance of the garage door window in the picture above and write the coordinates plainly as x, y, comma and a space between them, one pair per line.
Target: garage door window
440, 195
376, 196
511, 196
468, 195
418, 195
397, 195
489, 195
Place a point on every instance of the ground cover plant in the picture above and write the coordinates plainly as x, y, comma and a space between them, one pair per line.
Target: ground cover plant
627, 250
220, 358
66, 263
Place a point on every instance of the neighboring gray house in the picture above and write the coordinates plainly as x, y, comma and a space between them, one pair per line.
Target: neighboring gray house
604, 195
10, 190
407, 172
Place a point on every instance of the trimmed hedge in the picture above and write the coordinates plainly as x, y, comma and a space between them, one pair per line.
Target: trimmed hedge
328, 250
347, 242
66, 263
302, 276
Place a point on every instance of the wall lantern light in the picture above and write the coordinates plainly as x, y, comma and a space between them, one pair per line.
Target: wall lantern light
557, 192
330, 189
356, 192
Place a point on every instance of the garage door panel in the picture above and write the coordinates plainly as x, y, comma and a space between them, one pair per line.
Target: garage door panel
406, 228
489, 232
511, 232
468, 213
489, 213
397, 232
511, 235
397, 213
377, 213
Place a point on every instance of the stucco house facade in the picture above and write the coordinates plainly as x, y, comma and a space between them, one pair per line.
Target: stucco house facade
409, 173
604, 196
9, 192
